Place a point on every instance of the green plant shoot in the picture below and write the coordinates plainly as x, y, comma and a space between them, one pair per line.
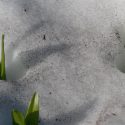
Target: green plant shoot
2, 63
3, 70
18, 118
31, 115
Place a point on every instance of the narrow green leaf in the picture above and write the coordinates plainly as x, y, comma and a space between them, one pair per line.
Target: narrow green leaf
32, 118
3, 71
17, 118
0, 70
32, 114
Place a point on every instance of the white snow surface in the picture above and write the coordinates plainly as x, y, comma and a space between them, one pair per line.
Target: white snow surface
69, 51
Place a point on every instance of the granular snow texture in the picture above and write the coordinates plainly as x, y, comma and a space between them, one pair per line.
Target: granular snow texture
69, 51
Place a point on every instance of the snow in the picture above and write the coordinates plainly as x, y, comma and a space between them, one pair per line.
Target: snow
69, 51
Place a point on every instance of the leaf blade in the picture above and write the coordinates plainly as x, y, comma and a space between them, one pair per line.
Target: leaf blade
3, 70
17, 118
32, 114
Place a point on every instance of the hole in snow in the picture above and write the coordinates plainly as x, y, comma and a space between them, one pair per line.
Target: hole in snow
120, 58
120, 61
14, 65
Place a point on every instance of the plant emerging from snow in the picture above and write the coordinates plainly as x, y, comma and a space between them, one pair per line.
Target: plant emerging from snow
32, 114
2, 63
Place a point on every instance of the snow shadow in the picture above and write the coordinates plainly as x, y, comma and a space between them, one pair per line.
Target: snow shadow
33, 57
73, 117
